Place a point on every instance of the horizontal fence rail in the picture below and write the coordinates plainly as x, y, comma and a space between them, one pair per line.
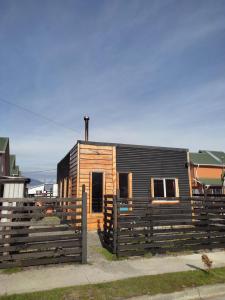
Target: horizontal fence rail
38, 231
139, 225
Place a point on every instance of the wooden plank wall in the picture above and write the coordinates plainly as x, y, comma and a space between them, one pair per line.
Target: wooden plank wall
94, 158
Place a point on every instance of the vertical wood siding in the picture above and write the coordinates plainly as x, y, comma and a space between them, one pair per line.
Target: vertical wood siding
98, 158
145, 163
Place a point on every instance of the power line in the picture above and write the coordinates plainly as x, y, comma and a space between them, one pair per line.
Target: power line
41, 171
36, 114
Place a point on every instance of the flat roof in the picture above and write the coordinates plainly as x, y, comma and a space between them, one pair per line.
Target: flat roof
14, 179
130, 145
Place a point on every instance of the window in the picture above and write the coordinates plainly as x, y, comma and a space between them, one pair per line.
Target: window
215, 190
165, 187
170, 188
123, 185
1, 165
158, 188
1, 190
97, 192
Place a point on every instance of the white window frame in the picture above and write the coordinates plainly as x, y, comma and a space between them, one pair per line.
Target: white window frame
164, 185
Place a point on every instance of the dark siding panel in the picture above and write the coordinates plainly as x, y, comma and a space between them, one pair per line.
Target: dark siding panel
146, 163
63, 168
67, 168
73, 170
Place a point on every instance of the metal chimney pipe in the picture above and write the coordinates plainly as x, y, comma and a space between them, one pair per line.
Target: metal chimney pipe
86, 121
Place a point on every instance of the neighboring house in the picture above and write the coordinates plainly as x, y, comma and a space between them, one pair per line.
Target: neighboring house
127, 170
13, 187
4, 156
44, 190
8, 165
14, 169
207, 169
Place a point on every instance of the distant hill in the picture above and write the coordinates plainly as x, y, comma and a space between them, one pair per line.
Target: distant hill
35, 182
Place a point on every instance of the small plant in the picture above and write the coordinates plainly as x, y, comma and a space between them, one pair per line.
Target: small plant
11, 270
207, 262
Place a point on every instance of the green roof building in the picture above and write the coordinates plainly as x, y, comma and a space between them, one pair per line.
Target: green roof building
8, 165
14, 169
207, 169
4, 156
208, 158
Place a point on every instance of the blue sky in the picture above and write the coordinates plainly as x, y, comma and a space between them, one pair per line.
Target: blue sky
147, 72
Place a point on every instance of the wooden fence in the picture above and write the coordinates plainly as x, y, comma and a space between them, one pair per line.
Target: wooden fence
42, 231
140, 226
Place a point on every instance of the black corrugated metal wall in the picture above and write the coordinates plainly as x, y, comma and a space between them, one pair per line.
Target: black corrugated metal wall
63, 168
146, 163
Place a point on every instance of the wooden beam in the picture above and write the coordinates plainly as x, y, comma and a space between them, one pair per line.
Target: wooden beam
130, 185
114, 173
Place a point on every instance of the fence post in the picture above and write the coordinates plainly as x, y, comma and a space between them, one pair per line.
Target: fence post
207, 218
115, 210
84, 225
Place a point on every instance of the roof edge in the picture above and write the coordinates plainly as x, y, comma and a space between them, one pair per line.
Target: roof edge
131, 145
5, 144
207, 165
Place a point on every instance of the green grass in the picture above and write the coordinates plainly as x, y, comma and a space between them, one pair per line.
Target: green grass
49, 221
106, 254
11, 270
148, 255
145, 285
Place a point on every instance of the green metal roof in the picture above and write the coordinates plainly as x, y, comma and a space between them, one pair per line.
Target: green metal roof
12, 161
210, 181
14, 170
203, 157
220, 155
3, 143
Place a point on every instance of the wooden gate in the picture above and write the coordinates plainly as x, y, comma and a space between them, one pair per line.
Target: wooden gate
38, 231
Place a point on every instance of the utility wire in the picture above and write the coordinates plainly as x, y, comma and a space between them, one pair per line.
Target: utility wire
41, 171
36, 114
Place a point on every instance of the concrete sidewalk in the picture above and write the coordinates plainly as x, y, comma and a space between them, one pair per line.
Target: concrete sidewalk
44, 278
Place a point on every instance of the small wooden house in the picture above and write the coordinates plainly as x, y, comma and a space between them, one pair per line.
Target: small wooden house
13, 186
127, 170
207, 172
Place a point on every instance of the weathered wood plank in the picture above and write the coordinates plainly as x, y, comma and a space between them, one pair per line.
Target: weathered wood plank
42, 261
41, 245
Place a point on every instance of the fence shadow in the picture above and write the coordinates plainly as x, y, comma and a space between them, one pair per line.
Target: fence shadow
196, 268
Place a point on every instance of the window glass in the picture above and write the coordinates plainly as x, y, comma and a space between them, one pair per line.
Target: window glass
1, 165
1, 190
97, 192
158, 188
123, 185
170, 188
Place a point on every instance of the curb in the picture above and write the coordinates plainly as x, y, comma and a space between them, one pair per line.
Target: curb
197, 293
